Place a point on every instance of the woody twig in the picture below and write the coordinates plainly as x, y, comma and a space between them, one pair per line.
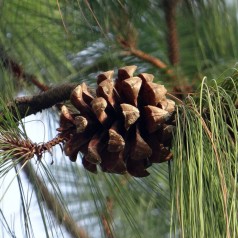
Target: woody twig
53, 204
144, 56
18, 72
170, 18
106, 218
29, 105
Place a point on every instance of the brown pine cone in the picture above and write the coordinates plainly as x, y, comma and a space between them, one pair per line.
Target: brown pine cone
126, 127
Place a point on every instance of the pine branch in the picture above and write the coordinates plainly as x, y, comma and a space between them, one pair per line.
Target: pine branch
25, 106
29, 105
106, 218
53, 204
18, 72
170, 17
13, 146
146, 57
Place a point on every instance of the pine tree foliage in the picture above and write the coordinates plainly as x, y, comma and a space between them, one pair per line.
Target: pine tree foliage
206, 163
185, 44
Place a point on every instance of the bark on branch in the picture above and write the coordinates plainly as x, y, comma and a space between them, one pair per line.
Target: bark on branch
18, 72
170, 17
146, 57
25, 106
53, 204
28, 105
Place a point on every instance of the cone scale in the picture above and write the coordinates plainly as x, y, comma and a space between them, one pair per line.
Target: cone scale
125, 128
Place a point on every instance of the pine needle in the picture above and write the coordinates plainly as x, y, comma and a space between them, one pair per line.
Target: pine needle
204, 169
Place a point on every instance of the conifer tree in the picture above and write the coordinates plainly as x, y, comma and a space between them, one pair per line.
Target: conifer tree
141, 97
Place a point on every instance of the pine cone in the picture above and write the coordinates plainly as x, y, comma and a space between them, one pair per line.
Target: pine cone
126, 127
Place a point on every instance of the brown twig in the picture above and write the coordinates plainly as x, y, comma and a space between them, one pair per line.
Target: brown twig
27, 106
17, 71
106, 218
170, 17
144, 56
53, 204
